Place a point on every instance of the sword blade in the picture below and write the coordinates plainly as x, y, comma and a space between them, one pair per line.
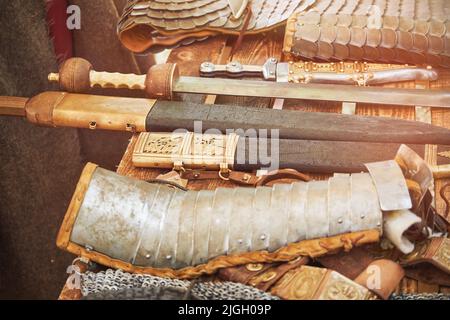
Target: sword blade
167, 116
323, 92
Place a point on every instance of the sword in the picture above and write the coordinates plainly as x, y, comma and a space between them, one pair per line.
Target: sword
349, 73
163, 82
193, 153
62, 109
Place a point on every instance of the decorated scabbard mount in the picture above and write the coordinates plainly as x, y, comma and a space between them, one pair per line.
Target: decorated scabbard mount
346, 73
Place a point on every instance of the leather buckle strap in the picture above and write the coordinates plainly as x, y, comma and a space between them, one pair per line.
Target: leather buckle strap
244, 29
260, 275
253, 180
435, 251
244, 178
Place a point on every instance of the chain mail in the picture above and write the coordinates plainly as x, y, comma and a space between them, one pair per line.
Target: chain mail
420, 296
117, 279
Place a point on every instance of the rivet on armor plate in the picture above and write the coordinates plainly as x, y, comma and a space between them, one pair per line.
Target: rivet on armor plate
147, 256
254, 267
340, 221
168, 257
130, 127
240, 241
363, 216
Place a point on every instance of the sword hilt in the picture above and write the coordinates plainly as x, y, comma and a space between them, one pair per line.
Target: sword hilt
235, 70
77, 75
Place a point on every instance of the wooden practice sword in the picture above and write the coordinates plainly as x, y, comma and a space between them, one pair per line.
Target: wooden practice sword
163, 81
62, 109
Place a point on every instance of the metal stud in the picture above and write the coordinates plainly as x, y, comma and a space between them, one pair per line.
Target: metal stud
263, 237
147, 256
169, 257
254, 267
340, 221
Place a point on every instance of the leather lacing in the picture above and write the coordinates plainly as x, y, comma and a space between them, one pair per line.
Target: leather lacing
244, 29
445, 199
432, 221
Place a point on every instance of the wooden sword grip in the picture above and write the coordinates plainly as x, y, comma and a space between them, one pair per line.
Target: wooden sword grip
117, 80
76, 75
12, 106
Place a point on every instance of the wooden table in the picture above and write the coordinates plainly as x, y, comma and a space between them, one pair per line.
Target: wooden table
256, 50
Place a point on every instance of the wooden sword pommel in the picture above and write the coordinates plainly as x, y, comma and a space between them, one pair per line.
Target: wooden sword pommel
77, 75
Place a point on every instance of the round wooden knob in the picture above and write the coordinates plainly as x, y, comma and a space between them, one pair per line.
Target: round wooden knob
160, 80
74, 75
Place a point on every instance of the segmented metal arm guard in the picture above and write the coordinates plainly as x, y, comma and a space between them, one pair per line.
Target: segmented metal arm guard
135, 225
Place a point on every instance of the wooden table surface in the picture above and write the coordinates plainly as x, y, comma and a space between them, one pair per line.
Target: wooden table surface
256, 50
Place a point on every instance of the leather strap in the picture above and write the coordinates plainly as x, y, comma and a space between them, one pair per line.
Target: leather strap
350, 264
260, 275
282, 174
199, 174
379, 278
418, 265
247, 179
272, 275
244, 29
427, 273
435, 251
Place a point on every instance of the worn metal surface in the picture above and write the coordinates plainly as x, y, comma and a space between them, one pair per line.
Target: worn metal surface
321, 92
408, 31
150, 25
167, 116
155, 225
391, 186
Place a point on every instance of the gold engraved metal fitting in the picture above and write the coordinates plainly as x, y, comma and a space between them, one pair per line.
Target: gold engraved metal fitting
266, 277
254, 267
418, 253
442, 255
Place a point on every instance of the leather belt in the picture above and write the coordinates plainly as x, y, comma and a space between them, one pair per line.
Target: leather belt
296, 281
435, 251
